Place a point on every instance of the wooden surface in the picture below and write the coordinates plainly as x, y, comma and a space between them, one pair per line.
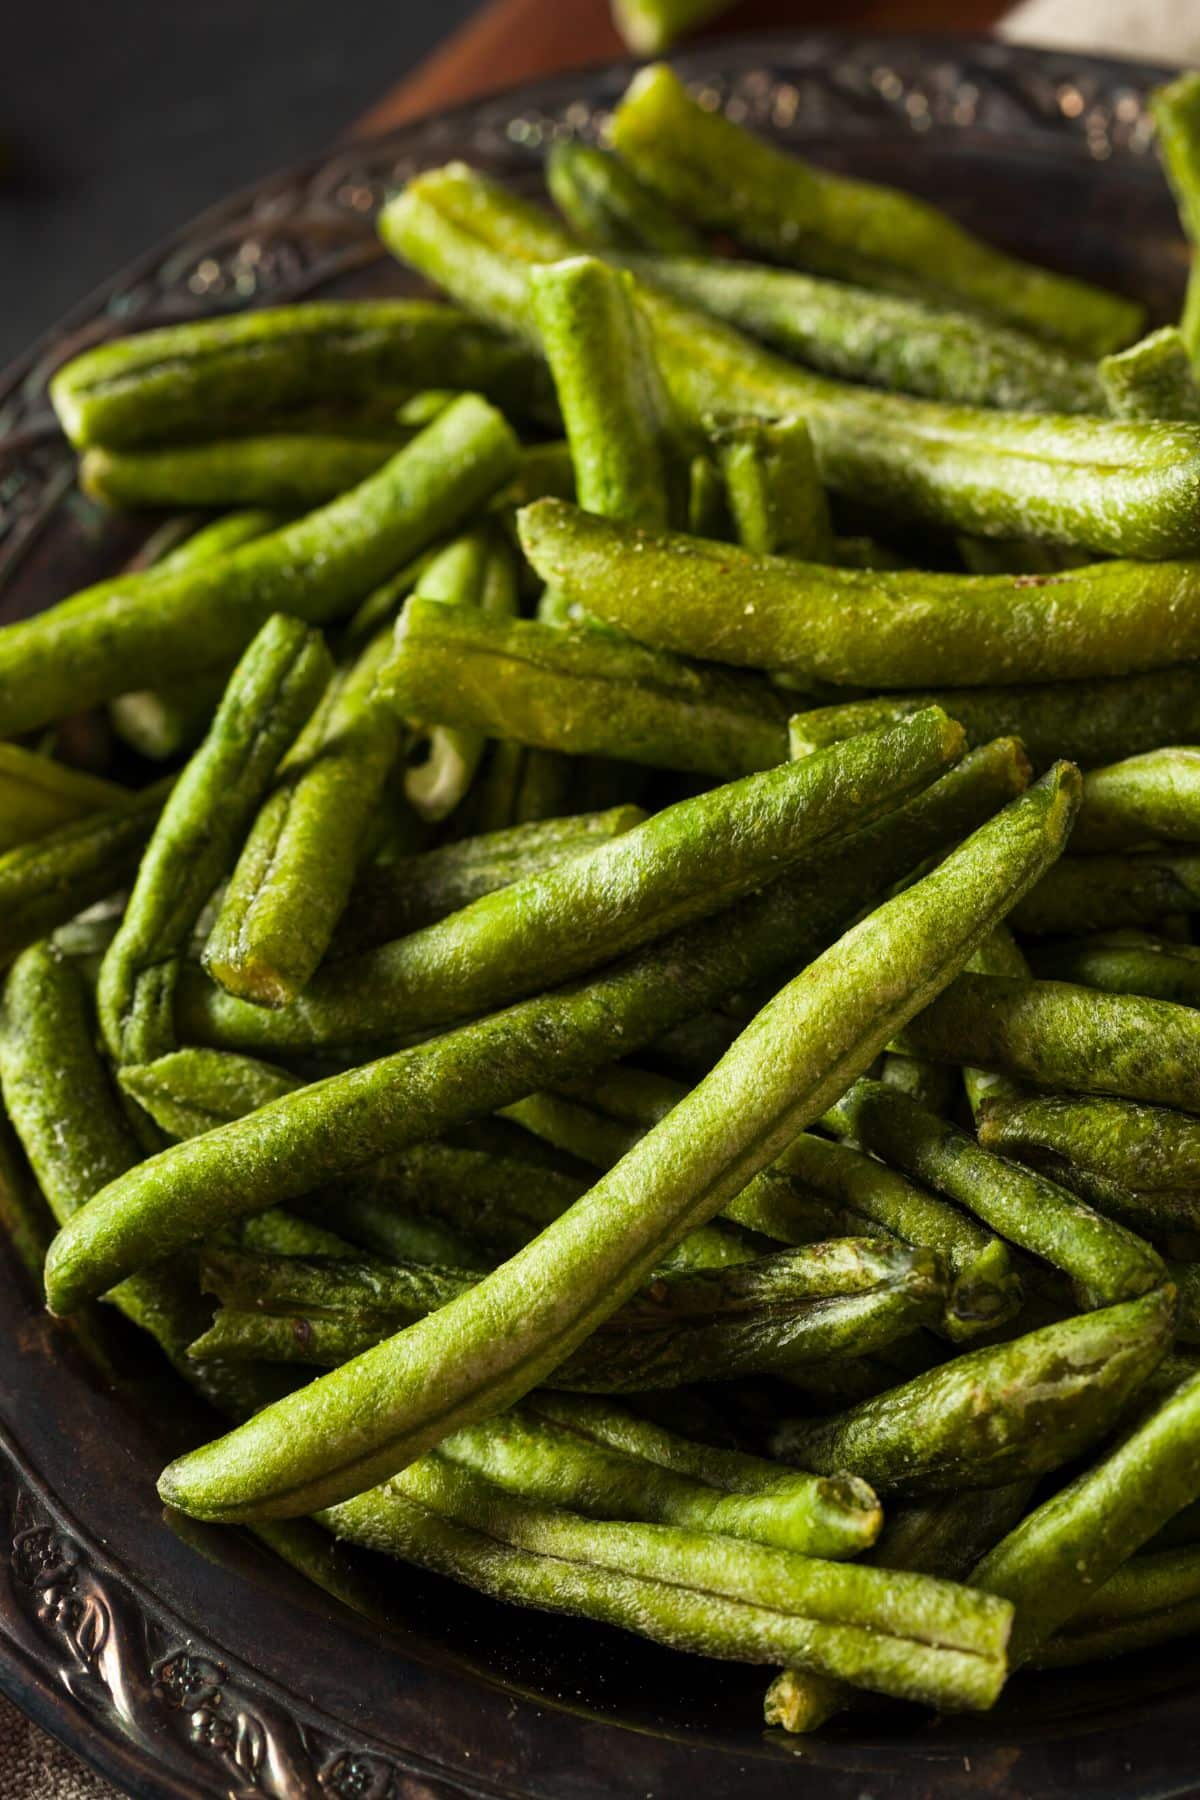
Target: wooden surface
517, 40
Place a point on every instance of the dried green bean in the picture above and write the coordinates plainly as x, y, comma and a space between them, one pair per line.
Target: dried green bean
1123, 962
778, 505
609, 208
1156, 795
1109, 892
289, 470
37, 795
1153, 379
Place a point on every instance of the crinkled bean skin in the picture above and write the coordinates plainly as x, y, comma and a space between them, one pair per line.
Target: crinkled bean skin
292, 471
1052, 1563
1088, 722
490, 1347
683, 863
145, 630
1105, 1262
1123, 962
1128, 489
994, 1415
1156, 795
1109, 891
724, 176
609, 208
1153, 379
206, 377
297, 866
270, 695
905, 344
583, 692
854, 627
190, 1091
1060, 1036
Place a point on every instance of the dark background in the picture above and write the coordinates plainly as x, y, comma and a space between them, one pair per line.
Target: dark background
121, 118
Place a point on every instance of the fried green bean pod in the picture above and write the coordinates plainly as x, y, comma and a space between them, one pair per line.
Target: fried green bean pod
37, 795
48, 881
1110, 891
289, 470
908, 1636
152, 628
1000, 955
1067, 1649
864, 628
270, 695
1153, 796
723, 176
683, 863
297, 866
345, 1122
475, 573
931, 1085
190, 1091
609, 208
582, 692
1088, 722
391, 899
1056, 1559
900, 343
773, 489
631, 460
943, 1537
66, 1113
487, 1349
1127, 489
1148, 1593
1153, 379
1104, 1261
549, 1450
1060, 1036
1176, 110
1123, 962
210, 375
994, 1415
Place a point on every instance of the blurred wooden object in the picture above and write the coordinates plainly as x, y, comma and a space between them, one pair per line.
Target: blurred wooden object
510, 41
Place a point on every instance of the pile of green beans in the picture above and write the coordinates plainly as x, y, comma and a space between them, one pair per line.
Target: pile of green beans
641, 1046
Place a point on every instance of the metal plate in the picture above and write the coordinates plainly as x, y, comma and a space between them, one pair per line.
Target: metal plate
204, 1666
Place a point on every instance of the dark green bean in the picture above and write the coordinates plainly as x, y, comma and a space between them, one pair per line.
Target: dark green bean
1123, 962
932, 1085
270, 695
721, 175
210, 375
37, 795
1109, 892
148, 629
875, 629
291, 470
190, 1091
998, 1414
609, 208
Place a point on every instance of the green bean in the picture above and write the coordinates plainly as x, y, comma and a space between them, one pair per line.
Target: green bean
970, 468
26, 1220
66, 1113
1146, 1584
190, 1091
997, 1414
651, 26
1059, 1036
774, 492
1055, 1559
210, 375
1153, 379
630, 458
933, 1086
1000, 955
895, 629
1140, 1162
1088, 722
549, 1450
888, 341
297, 866
1123, 962
942, 1537
610, 209
270, 695
290, 470
1176, 110
1068, 1648
343, 1123
476, 573
280, 1233
930, 1642
1156, 795
583, 692
487, 1349
685, 862
545, 787
1108, 892
1105, 1262
577, 1129
154, 628
392, 899
1186, 1277
37, 795
722, 176
48, 881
